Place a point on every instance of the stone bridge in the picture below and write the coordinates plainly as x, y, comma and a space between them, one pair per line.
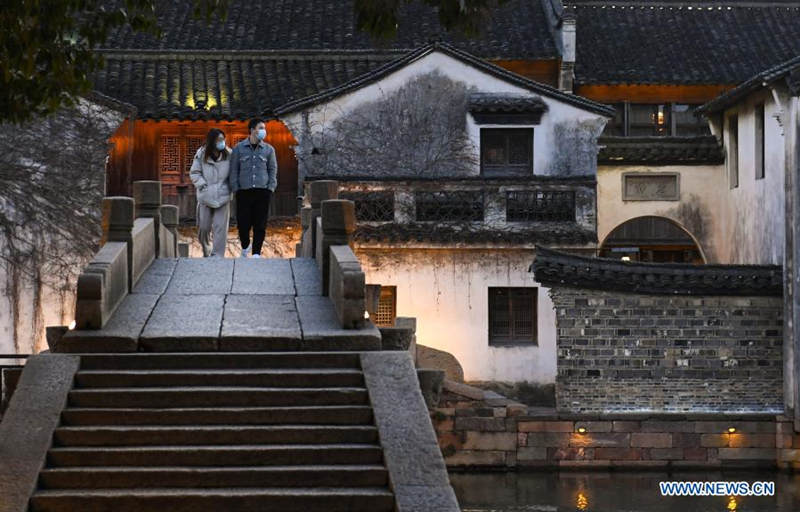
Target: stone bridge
220, 384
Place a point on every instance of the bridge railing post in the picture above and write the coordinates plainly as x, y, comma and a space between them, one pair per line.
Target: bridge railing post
335, 226
322, 190
117, 223
169, 217
147, 198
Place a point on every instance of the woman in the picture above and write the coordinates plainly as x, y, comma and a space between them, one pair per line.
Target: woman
209, 173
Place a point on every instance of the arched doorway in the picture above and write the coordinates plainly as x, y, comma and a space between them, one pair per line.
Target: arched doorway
652, 239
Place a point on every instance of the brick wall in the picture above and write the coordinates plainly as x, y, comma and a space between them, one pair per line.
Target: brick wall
486, 433
625, 352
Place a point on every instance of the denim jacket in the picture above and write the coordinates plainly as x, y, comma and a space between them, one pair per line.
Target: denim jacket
253, 168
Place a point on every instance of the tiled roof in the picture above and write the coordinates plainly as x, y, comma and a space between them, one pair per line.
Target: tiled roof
555, 268
448, 49
438, 233
492, 102
789, 71
519, 29
203, 85
681, 42
660, 150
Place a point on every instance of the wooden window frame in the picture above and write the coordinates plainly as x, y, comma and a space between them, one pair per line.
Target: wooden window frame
759, 121
733, 150
387, 292
512, 340
507, 169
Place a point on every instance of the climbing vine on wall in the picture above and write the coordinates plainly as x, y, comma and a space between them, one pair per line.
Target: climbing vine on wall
51, 186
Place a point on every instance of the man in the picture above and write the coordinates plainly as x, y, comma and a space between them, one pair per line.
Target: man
253, 178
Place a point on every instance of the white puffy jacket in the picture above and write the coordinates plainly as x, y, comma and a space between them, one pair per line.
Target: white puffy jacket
210, 178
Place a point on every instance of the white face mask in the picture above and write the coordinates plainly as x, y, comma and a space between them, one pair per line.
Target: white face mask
260, 134
220, 145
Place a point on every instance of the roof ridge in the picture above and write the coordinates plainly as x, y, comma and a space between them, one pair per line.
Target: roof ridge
455, 52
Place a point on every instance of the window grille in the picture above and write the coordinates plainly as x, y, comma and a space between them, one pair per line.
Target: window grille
540, 205
507, 151
372, 206
450, 206
512, 316
387, 307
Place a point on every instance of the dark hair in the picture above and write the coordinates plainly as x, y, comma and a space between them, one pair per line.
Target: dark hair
211, 144
253, 123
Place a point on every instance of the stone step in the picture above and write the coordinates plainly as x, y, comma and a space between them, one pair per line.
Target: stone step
325, 414
291, 378
209, 435
331, 499
215, 396
220, 360
373, 475
214, 456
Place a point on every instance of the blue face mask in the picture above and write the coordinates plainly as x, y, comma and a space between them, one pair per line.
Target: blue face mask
220, 145
261, 134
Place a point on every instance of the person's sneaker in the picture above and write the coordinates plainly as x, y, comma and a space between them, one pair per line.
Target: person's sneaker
245, 252
256, 255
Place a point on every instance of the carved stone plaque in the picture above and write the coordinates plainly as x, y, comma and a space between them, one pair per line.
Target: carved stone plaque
650, 186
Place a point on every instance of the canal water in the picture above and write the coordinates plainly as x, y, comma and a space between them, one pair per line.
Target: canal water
614, 492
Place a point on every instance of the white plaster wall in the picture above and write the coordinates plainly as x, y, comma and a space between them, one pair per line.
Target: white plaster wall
700, 197
56, 309
752, 222
545, 153
447, 291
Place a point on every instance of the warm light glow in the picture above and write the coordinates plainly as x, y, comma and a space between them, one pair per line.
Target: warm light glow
72, 325
660, 117
626, 258
581, 502
731, 430
731, 503
366, 315
581, 430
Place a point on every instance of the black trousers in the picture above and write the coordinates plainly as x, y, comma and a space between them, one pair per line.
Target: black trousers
252, 210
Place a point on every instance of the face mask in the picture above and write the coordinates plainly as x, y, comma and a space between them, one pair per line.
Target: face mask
261, 134
220, 145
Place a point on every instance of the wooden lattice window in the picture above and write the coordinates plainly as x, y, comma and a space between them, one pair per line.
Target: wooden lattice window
372, 206
512, 316
387, 307
451, 206
507, 151
170, 159
192, 145
540, 206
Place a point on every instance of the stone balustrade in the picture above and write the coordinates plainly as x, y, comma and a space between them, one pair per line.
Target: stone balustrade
133, 237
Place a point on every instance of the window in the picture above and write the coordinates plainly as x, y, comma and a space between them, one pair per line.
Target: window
375, 206
540, 205
387, 307
512, 316
665, 119
759, 142
733, 150
452, 206
507, 151
647, 119
685, 123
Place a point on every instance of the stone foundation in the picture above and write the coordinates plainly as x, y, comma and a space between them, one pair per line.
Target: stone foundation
481, 430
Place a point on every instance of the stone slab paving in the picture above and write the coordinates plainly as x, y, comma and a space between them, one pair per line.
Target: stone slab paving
263, 277
260, 322
199, 304
184, 323
120, 334
201, 276
307, 280
321, 330
157, 276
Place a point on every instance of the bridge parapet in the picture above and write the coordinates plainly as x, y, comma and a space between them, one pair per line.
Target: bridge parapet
133, 237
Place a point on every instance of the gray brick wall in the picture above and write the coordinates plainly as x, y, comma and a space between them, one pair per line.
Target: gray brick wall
657, 353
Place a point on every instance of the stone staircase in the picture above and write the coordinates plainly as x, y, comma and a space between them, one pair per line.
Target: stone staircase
216, 431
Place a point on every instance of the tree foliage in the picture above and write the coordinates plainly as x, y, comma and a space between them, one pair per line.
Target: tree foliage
46, 48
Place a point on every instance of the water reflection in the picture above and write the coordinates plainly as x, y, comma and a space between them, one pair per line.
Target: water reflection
613, 492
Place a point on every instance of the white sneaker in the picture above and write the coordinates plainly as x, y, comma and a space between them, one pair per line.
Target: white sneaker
245, 252
256, 255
